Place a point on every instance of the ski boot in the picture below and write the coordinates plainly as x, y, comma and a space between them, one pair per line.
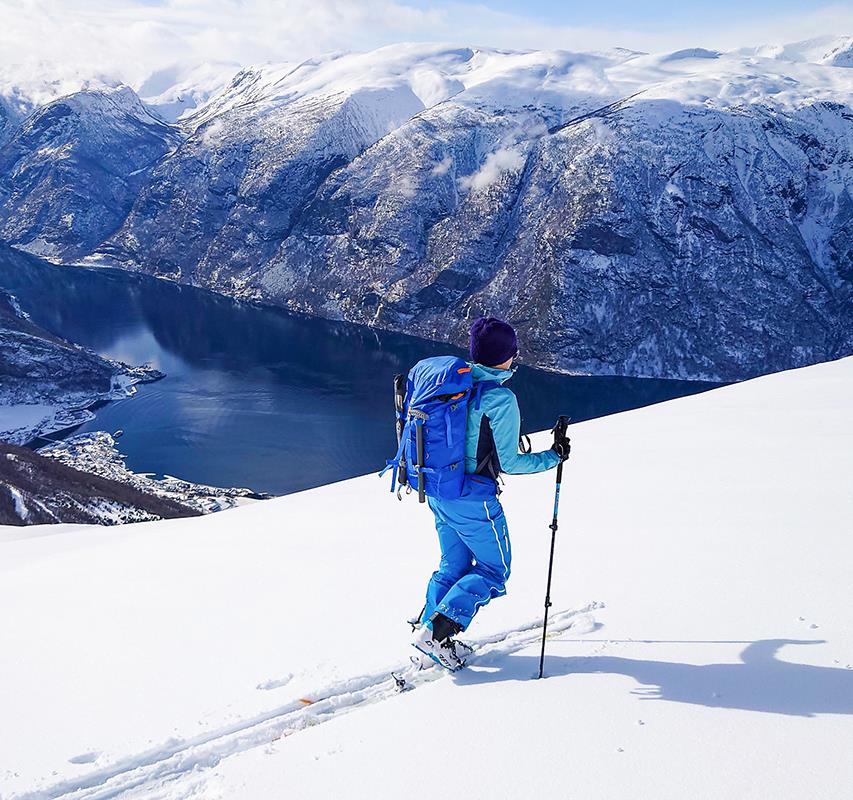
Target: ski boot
433, 639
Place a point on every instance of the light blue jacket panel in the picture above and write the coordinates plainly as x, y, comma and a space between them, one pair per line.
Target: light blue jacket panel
500, 405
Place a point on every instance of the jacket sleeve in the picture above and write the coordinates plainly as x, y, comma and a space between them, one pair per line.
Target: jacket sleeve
505, 421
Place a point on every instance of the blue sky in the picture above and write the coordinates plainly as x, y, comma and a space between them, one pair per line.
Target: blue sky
687, 17
641, 13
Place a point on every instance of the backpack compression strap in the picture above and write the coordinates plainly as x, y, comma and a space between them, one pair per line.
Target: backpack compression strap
419, 418
397, 460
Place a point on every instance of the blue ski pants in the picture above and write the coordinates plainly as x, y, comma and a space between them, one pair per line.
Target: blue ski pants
475, 557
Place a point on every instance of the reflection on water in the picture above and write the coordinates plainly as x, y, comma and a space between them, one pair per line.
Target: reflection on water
258, 397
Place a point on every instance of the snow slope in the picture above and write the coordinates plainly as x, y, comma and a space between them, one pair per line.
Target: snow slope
706, 649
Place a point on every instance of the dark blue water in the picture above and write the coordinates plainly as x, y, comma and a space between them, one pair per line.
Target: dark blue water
257, 397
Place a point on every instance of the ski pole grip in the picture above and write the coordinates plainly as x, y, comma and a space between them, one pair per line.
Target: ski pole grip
560, 427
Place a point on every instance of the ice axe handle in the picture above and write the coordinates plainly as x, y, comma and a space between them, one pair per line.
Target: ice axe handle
400, 422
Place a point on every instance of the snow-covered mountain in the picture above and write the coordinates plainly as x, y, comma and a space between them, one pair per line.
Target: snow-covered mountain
702, 629
179, 90
682, 214
834, 51
71, 172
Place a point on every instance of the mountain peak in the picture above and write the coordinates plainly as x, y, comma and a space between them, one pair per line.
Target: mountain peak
831, 51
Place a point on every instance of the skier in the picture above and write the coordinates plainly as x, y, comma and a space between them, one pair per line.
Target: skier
472, 529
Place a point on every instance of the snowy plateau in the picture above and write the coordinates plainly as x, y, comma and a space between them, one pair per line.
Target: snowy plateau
701, 647
682, 214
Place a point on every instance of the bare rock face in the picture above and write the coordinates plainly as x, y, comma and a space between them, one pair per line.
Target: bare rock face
679, 215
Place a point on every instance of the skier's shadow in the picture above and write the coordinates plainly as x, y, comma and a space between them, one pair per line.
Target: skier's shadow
760, 682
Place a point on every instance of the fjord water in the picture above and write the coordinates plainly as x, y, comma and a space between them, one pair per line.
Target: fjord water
257, 397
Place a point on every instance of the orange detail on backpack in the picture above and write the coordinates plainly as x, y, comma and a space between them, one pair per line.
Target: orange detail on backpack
463, 369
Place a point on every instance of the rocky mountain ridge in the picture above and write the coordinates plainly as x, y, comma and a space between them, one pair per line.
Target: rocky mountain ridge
684, 214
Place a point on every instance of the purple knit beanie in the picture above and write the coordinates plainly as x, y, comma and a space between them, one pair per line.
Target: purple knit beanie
492, 341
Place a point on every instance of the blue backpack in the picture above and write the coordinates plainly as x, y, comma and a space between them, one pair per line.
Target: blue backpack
432, 417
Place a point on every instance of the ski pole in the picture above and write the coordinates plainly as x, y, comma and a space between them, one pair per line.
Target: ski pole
559, 433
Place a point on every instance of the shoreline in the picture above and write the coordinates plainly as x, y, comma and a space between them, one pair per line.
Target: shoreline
97, 453
62, 417
105, 264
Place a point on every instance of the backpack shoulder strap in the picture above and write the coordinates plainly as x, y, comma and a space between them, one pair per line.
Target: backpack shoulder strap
479, 388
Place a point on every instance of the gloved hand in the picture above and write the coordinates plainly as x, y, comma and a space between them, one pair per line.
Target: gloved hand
562, 447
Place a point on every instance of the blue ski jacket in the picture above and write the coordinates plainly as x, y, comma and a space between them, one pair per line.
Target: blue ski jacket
494, 426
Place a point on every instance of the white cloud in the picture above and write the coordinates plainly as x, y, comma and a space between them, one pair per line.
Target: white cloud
601, 130
506, 159
132, 39
129, 40
405, 187
443, 166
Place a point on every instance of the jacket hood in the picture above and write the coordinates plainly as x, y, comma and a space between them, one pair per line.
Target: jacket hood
481, 373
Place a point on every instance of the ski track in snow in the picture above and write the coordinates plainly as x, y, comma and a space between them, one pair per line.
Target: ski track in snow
178, 757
